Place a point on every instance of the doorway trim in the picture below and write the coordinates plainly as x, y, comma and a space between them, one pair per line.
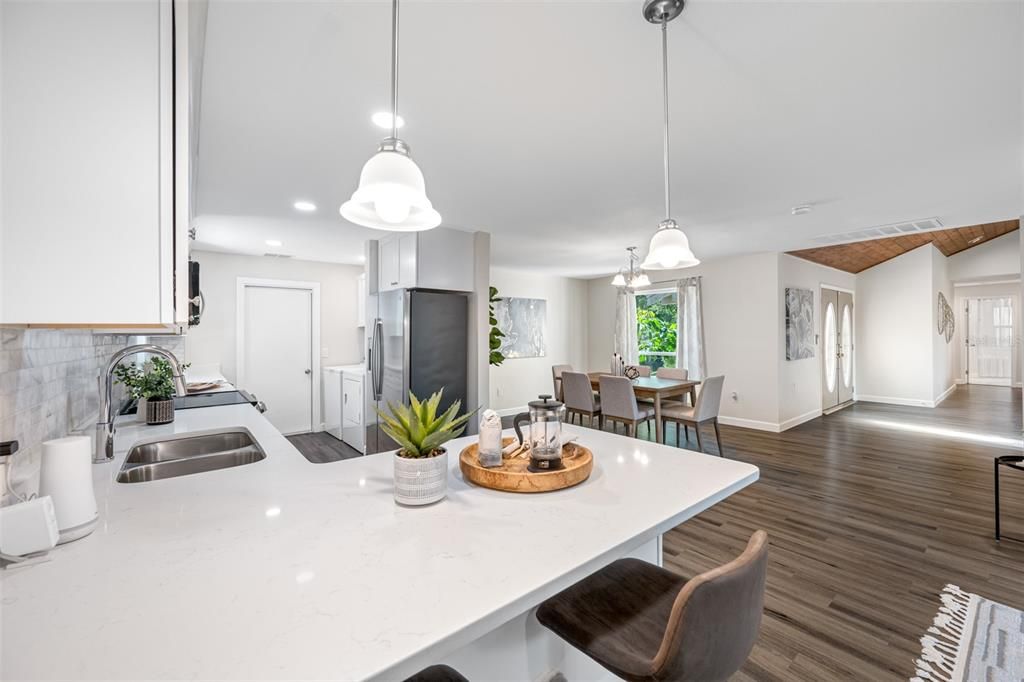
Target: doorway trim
258, 282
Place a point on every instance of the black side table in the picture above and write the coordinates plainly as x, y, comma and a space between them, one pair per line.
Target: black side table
1010, 462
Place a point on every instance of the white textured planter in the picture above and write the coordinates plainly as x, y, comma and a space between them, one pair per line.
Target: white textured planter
421, 480
140, 410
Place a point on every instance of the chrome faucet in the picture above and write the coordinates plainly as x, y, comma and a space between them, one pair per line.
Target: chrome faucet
105, 425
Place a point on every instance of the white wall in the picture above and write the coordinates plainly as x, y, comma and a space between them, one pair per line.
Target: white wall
742, 315
519, 380
944, 362
800, 380
996, 258
893, 317
213, 341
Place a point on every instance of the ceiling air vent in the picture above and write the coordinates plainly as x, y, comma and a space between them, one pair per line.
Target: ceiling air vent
881, 232
278, 255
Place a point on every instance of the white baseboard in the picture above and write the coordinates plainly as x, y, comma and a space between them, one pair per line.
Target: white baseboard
944, 395
909, 402
800, 419
749, 424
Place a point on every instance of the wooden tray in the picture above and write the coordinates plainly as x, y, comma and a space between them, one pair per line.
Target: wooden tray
513, 477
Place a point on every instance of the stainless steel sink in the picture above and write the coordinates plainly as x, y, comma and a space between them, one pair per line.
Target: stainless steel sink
189, 454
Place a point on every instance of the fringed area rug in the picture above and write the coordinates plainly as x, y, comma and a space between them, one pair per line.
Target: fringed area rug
971, 639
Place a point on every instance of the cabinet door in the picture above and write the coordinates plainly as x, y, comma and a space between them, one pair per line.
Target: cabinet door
407, 260
87, 163
353, 400
390, 256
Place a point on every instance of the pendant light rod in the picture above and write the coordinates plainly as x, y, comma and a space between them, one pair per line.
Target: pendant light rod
664, 82
394, 69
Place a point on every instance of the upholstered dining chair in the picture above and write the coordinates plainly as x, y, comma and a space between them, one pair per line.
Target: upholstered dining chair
556, 378
709, 401
619, 405
644, 370
437, 673
673, 373
643, 622
580, 399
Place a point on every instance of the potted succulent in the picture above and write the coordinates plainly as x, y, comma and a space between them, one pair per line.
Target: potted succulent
157, 389
421, 464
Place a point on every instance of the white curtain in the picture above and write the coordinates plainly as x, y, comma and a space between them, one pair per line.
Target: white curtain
625, 328
690, 353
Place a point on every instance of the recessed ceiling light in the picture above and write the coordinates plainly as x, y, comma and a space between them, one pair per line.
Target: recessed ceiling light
976, 240
382, 119
273, 242
306, 206
802, 209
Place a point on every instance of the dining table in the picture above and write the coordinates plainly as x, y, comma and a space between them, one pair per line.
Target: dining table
656, 389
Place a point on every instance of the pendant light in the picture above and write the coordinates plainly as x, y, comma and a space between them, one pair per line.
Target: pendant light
391, 193
669, 246
632, 276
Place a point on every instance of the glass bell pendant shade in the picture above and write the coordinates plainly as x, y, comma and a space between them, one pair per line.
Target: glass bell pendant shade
391, 194
619, 280
670, 249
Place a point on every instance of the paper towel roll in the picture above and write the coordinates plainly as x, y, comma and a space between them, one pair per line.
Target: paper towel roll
65, 475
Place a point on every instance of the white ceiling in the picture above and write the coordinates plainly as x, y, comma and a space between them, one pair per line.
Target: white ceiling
539, 122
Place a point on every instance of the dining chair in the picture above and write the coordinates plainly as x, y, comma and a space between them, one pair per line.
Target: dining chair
437, 673
673, 373
556, 378
644, 370
618, 403
709, 401
580, 399
642, 622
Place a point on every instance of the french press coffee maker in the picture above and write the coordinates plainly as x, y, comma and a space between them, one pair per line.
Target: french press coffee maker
545, 417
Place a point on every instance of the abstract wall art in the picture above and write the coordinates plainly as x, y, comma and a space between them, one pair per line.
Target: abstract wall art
799, 324
524, 323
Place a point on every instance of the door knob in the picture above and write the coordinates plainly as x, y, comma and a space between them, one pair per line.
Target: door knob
309, 371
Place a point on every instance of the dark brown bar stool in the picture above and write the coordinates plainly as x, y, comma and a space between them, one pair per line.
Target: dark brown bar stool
437, 673
645, 623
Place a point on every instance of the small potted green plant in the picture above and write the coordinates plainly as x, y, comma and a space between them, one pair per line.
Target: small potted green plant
421, 464
157, 388
130, 376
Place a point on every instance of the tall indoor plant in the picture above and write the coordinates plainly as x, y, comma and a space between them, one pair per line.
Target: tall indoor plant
421, 463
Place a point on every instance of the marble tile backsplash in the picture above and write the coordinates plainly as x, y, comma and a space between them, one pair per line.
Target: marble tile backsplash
48, 389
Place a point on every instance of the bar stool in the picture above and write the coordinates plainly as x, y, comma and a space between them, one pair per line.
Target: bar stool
643, 622
437, 673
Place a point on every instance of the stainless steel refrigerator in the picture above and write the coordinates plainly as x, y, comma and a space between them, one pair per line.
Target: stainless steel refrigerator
418, 341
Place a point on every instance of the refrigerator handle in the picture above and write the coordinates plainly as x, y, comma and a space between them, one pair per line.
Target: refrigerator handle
377, 359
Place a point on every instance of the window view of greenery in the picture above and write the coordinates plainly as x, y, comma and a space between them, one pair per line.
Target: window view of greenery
656, 328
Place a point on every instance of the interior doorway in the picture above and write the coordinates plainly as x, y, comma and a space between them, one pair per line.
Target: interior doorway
836, 349
989, 341
278, 349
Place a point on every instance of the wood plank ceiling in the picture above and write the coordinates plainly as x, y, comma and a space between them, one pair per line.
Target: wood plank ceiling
857, 256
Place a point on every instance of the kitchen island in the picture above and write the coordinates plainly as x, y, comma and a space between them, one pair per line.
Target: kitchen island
282, 569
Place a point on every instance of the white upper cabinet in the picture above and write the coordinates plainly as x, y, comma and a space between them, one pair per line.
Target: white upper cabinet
440, 259
94, 222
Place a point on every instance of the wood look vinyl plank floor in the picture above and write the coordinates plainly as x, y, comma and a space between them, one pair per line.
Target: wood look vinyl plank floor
870, 512
321, 447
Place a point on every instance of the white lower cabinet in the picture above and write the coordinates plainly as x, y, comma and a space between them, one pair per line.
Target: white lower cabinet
352, 429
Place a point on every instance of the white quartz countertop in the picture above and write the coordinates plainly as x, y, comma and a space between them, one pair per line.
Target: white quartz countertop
285, 569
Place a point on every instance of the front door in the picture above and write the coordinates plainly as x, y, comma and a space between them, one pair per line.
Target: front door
836, 348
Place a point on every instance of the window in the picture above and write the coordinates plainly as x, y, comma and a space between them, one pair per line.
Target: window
656, 317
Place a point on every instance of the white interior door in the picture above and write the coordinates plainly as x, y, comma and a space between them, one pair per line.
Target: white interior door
990, 340
276, 358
